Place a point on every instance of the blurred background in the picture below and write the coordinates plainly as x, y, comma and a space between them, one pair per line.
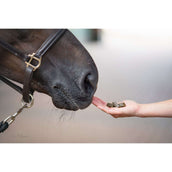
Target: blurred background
132, 64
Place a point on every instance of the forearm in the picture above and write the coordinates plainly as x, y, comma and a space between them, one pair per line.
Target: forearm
159, 109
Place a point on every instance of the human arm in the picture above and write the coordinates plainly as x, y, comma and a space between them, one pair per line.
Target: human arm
159, 109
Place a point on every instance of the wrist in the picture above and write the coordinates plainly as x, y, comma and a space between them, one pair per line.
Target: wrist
139, 111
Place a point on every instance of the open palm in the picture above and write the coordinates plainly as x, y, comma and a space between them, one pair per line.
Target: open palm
128, 111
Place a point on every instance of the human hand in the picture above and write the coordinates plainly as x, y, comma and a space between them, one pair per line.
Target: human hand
129, 110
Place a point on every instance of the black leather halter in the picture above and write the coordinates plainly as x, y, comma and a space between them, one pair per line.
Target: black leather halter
33, 62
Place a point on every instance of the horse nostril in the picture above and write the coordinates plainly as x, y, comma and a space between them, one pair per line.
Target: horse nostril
89, 83
56, 87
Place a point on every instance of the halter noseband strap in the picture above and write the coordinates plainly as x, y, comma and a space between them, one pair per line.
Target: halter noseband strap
33, 62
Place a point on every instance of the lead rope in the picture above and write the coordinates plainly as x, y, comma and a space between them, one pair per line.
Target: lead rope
10, 119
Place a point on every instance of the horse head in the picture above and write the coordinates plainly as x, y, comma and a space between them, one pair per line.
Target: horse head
67, 73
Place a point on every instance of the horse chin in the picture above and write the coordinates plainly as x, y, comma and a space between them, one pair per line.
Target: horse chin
72, 105
66, 105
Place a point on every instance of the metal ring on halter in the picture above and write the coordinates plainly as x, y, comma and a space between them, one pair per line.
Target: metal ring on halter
30, 104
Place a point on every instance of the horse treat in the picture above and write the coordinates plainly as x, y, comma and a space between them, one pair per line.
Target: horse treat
115, 104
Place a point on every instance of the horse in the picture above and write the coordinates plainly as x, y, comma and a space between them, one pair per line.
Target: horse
67, 72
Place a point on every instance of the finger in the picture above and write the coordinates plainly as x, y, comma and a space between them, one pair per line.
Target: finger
104, 108
98, 102
112, 111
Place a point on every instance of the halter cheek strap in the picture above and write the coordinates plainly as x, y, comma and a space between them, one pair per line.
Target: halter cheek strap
33, 62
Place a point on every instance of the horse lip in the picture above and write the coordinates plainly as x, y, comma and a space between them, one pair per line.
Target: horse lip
70, 101
69, 107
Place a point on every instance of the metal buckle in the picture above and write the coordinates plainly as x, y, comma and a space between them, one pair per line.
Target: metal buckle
32, 56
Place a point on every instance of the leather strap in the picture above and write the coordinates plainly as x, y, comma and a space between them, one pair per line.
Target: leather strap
11, 84
49, 42
12, 50
26, 86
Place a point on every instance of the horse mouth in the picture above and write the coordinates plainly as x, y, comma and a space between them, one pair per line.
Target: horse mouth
63, 100
68, 105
